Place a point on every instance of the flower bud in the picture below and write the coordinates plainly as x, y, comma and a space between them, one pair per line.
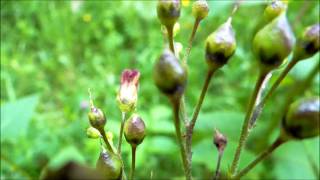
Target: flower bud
274, 9
308, 44
134, 130
302, 119
169, 75
220, 45
93, 133
168, 12
128, 93
97, 118
273, 43
219, 140
200, 9
109, 164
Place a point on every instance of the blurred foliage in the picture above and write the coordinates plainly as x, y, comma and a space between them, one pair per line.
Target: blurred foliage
52, 52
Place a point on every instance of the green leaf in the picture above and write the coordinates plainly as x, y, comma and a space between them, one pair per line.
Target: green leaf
292, 160
67, 154
162, 145
15, 116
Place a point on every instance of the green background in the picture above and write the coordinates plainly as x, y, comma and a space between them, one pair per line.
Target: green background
52, 52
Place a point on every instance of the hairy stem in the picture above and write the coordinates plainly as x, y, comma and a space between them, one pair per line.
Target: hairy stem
276, 84
186, 163
197, 110
170, 38
133, 161
216, 176
188, 50
121, 132
261, 157
303, 85
245, 127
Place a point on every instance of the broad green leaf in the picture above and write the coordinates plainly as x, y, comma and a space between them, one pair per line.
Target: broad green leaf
162, 145
15, 116
292, 160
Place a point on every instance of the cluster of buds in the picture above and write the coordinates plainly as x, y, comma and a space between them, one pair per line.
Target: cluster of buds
109, 162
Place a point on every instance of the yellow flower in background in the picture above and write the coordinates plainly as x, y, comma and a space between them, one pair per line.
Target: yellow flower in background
87, 17
185, 3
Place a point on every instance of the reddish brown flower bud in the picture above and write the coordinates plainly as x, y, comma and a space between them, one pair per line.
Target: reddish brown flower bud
219, 140
128, 92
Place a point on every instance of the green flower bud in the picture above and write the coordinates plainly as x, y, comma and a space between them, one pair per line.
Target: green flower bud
93, 133
302, 119
134, 130
97, 118
308, 44
169, 75
274, 9
109, 164
200, 9
220, 45
168, 12
273, 43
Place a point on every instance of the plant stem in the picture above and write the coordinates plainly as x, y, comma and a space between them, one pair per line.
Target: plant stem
197, 110
186, 164
294, 93
105, 139
188, 50
170, 38
276, 84
121, 132
133, 156
261, 157
245, 127
216, 176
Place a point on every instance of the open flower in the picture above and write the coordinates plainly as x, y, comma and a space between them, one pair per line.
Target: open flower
128, 92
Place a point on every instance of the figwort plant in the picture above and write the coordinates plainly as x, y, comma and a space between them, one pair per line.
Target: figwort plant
272, 44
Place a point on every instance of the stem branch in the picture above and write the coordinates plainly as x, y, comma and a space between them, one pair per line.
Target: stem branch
121, 132
245, 127
185, 161
133, 151
261, 157
188, 50
170, 38
105, 139
216, 176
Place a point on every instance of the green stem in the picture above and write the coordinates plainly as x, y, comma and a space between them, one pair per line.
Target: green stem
188, 50
197, 110
105, 139
276, 84
297, 90
121, 132
170, 38
261, 157
245, 127
216, 176
186, 164
133, 156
